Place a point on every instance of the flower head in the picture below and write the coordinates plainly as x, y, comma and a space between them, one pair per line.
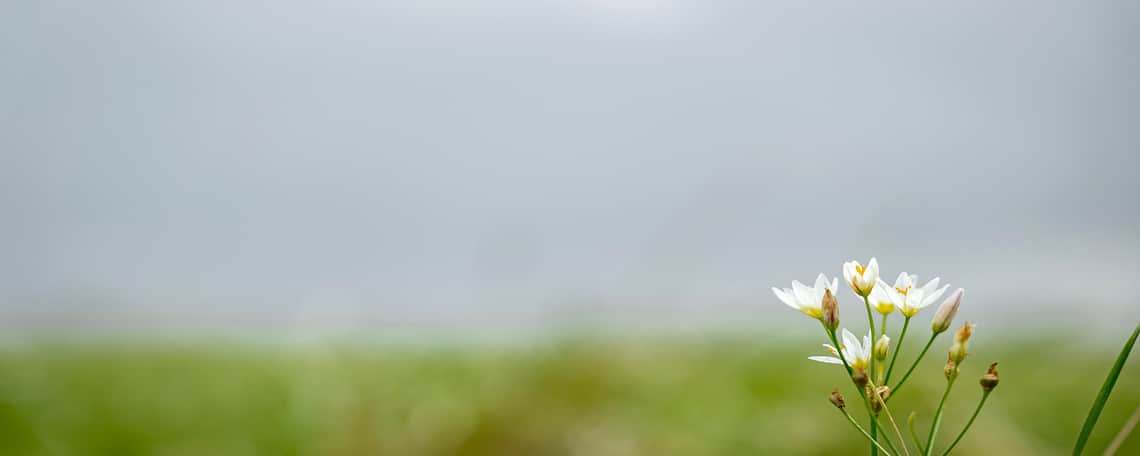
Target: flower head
908, 298
861, 278
857, 354
808, 300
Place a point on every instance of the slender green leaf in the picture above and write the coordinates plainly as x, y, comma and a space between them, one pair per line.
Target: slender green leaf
1102, 397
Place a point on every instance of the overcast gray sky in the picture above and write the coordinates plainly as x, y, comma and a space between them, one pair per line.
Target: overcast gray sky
428, 162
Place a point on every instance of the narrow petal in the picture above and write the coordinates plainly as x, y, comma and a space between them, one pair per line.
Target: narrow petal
935, 295
931, 285
850, 342
820, 284
901, 281
826, 359
786, 297
802, 293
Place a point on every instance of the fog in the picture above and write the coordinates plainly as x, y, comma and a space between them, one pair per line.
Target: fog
510, 163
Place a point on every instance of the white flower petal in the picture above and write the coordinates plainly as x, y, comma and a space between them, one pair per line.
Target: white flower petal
902, 280
787, 297
849, 340
821, 284
936, 294
826, 359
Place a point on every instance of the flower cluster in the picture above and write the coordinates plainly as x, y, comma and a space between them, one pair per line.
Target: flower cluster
870, 361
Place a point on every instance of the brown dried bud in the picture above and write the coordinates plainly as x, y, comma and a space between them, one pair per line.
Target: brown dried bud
830, 308
837, 399
990, 378
859, 376
882, 392
951, 369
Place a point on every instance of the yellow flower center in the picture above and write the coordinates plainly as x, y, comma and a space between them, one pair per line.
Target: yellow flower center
860, 268
903, 291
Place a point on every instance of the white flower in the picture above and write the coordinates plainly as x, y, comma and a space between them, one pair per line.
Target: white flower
909, 299
861, 279
857, 355
807, 299
880, 298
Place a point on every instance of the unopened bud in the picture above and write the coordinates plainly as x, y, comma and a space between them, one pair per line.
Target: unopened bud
830, 309
882, 346
990, 378
951, 369
961, 342
837, 399
945, 314
859, 376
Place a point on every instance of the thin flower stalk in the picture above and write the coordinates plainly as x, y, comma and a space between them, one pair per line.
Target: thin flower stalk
871, 323
915, 363
938, 418
898, 348
864, 432
891, 418
985, 395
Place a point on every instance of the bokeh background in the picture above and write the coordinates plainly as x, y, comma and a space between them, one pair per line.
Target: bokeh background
546, 227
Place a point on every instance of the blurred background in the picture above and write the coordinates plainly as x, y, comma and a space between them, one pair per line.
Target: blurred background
547, 227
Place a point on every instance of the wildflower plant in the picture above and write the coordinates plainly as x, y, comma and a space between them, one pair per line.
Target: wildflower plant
869, 361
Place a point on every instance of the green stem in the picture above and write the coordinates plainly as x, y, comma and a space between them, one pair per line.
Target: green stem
895, 390
898, 348
862, 393
938, 417
985, 395
838, 348
871, 323
865, 434
870, 320
913, 434
902, 440
875, 435
866, 401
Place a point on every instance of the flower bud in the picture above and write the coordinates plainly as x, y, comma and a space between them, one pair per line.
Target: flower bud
859, 376
882, 346
950, 370
961, 342
990, 378
837, 399
945, 314
830, 309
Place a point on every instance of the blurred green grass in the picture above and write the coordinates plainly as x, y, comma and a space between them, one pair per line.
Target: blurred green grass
599, 395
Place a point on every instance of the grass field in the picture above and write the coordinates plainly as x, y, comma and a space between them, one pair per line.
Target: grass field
707, 394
